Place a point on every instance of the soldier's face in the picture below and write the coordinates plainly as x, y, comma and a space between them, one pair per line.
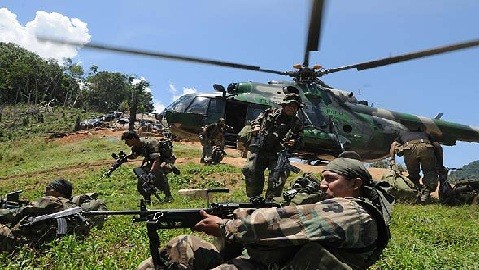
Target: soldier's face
290, 109
336, 185
52, 192
129, 142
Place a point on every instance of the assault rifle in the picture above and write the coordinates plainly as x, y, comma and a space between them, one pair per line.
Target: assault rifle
119, 159
282, 165
12, 200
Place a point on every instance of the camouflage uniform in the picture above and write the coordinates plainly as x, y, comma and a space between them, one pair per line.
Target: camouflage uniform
37, 234
275, 128
14, 234
419, 154
212, 135
333, 233
338, 233
151, 149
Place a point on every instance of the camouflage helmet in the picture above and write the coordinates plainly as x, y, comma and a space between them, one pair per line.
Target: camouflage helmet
292, 98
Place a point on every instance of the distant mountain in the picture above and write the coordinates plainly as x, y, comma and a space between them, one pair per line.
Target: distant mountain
469, 171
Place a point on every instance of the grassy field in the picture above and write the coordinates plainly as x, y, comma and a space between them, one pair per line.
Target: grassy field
423, 237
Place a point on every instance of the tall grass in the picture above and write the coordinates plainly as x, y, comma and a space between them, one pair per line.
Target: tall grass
423, 237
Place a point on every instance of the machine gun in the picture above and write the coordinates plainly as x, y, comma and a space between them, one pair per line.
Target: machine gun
282, 165
156, 219
120, 158
187, 218
146, 181
12, 200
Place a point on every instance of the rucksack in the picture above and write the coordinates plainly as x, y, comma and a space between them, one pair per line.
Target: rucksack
90, 202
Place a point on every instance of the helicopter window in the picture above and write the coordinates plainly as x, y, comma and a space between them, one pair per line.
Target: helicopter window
180, 104
216, 106
199, 105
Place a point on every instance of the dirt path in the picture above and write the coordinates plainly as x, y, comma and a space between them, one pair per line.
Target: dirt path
233, 156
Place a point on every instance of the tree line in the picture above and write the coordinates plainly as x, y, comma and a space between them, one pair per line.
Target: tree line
26, 78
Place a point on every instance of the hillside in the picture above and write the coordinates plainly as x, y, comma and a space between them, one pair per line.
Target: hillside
423, 237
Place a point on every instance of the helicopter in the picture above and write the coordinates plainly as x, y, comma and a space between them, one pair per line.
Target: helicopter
334, 119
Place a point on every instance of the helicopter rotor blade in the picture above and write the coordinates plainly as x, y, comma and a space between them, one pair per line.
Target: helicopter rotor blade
177, 57
406, 57
314, 29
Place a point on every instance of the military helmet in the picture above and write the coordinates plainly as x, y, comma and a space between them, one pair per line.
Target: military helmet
292, 98
62, 186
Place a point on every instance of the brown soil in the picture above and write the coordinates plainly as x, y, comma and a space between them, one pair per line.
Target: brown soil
233, 156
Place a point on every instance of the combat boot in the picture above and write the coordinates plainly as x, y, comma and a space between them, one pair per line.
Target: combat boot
426, 196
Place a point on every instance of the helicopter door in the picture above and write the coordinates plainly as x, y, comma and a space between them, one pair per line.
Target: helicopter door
235, 117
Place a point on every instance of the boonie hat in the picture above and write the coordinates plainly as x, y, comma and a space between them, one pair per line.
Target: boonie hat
292, 98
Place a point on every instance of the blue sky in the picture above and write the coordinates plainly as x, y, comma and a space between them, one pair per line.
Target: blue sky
272, 34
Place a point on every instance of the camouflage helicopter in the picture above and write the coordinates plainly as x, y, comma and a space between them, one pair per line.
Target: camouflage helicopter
335, 120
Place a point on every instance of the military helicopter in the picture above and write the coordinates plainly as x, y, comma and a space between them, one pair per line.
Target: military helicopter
335, 120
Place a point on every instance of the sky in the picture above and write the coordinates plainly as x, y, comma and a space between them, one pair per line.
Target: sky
272, 34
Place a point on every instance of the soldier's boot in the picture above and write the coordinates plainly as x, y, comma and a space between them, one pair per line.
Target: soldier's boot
168, 196
425, 195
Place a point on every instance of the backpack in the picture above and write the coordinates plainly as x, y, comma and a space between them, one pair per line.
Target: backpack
90, 202
244, 136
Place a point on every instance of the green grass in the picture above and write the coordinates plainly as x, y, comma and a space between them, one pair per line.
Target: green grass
423, 237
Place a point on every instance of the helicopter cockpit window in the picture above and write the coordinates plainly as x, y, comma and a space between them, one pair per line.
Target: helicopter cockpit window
180, 104
199, 105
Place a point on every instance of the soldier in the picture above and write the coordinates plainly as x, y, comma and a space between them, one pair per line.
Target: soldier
14, 228
348, 229
272, 131
158, 161
421, 152
213, 135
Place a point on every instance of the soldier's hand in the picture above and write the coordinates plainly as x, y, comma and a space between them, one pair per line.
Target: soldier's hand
209, 224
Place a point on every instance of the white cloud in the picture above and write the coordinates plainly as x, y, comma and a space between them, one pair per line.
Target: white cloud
44, 24
159, 107
137, 81
186, 90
